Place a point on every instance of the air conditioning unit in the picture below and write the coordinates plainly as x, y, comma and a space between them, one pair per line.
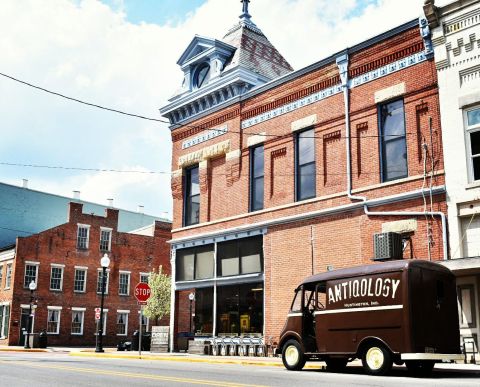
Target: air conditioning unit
387, 246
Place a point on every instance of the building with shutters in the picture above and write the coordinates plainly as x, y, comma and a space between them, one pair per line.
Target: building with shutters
64, 264
456, 41
278, 174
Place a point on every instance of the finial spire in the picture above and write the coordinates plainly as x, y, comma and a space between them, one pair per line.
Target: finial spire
245, 15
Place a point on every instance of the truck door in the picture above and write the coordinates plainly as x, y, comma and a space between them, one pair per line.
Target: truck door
308, 328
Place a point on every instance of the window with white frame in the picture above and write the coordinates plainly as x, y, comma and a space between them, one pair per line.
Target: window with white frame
1, 275
144, 277
53, 320
8, 276
80, 280
100, 281
472, 129
31, 272
105, 239
145, 323
4, 320
124, 283
122, 322
56, 277
104, 328
78, 315
83, 232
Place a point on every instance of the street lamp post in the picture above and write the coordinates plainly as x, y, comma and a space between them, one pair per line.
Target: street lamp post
32, 286
191, 297
104, 262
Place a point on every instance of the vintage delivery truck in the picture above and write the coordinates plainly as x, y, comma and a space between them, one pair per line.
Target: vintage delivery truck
384, 313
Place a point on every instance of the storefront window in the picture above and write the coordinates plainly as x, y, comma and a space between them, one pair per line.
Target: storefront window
240, 309
195, 263
241, 256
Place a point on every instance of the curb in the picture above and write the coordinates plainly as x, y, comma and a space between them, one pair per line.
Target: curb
22, 350
187, 359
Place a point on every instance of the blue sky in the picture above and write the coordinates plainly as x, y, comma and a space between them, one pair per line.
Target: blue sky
122, 54
155, 11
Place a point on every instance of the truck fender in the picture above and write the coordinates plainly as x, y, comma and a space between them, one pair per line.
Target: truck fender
290, 335
371, 339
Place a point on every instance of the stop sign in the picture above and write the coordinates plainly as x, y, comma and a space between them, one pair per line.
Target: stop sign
142, 292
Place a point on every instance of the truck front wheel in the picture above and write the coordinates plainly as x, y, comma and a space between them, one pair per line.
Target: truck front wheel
292, 356
377, 360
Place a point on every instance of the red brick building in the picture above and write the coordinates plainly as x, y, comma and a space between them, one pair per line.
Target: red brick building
290, 173
64, 263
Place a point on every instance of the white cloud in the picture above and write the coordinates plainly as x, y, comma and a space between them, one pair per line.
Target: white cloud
89, 51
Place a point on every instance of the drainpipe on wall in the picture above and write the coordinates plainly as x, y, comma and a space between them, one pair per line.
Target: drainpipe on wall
342, 63
172, 298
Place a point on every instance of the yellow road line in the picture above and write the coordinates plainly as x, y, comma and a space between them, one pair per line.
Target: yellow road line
131, 374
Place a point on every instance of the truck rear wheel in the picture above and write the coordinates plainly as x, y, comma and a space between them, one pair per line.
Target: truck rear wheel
292, 356
420, 368
377, 360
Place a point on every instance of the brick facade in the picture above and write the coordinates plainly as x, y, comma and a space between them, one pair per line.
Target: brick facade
330, 230
57, 247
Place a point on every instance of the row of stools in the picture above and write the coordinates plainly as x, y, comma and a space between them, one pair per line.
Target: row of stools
242, 346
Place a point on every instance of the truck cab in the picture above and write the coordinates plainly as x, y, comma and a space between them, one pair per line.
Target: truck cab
392, 312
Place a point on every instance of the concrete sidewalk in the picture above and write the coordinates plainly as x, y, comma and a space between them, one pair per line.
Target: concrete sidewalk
112, 353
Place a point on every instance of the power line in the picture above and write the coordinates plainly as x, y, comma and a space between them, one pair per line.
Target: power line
179, 124
82, 168
376, 172
82, 102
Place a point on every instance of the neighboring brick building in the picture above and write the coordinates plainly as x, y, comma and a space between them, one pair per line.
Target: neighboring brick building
456, 40
64, 262
297, 174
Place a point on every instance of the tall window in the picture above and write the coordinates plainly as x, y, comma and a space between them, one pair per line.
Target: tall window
122, 323
192, 197
100, 281
31, 272
4, 320
53, 321
8, 276
105, 239
105, 312
195, 263
82, 236
124, 284
393, 141
472, 126
144, 277
240, 256
80, 281
56, 278
145, 323
1, 275
77, 321
256, 178
305, 174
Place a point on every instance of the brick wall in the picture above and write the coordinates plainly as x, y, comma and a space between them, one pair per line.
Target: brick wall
345, 239
129, 252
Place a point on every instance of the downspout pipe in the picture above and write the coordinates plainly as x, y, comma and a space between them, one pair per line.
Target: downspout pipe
342, 63
172, 299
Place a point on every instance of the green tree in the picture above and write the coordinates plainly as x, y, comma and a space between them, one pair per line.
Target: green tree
158, 305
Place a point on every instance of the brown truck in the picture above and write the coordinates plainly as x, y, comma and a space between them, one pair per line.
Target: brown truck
391, 312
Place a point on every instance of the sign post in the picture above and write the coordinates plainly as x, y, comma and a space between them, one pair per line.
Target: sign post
142, 294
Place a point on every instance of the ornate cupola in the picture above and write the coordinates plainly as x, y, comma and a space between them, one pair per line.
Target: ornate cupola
218, 71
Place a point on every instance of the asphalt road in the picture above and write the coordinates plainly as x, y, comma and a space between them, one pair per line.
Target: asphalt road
51, 369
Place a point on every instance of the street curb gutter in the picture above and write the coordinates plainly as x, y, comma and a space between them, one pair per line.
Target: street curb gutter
21, 350
185, 359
